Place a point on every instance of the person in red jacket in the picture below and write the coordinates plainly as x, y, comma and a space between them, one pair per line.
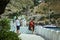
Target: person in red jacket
31, 26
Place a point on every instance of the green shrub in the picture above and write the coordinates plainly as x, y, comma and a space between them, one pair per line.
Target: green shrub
5, 34
8, 35
5, 24
11, 16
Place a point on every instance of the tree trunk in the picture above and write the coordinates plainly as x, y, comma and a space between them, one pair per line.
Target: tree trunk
3, 4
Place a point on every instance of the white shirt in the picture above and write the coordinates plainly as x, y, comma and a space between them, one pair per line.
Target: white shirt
17, 22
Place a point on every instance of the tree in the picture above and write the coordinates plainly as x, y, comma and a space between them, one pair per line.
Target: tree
3, 4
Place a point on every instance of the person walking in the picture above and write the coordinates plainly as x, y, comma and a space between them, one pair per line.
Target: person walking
31, 26
17, 25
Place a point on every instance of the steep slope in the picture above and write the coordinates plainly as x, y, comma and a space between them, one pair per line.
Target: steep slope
17, 5
54, 4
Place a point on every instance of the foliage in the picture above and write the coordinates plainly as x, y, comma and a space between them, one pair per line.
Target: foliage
19, 4
14, 14
43, 8
5, 33
8, 35
5, 24
36, 2
55, 15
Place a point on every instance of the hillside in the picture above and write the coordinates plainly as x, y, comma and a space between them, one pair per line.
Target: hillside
54, 4
17, 5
